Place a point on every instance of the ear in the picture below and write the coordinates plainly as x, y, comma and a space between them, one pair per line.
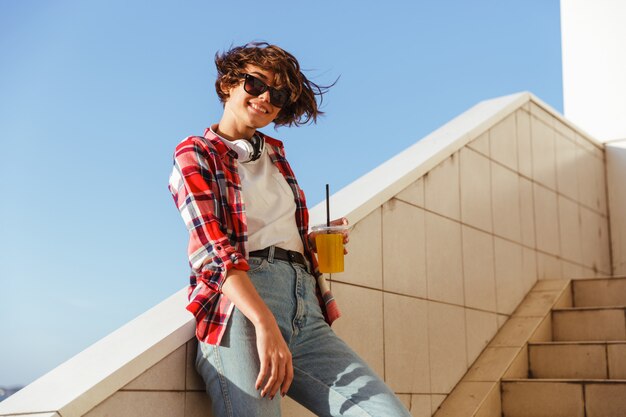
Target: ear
225, 90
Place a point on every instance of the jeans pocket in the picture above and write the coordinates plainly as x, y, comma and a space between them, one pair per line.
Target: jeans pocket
257, 265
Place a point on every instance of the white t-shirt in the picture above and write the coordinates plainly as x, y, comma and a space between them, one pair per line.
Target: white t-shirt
270, 205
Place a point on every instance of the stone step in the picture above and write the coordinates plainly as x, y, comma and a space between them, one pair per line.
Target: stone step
604, 292
589, 324
589, 360
563, 398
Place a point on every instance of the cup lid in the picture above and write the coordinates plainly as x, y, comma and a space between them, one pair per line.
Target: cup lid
330, 229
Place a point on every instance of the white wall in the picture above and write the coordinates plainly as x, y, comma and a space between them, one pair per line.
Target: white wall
594, 64
616, 173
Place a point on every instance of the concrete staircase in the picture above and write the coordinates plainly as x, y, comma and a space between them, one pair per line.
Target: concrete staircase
582, 371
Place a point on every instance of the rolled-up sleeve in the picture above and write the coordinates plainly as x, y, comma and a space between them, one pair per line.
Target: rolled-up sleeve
196, 192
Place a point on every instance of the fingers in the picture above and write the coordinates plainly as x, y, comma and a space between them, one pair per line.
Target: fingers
312, 242
340, 222
276, 373
276, 378
288, 379
263, 373
346, 233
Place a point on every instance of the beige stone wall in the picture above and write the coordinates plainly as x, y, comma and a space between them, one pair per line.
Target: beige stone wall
171, 388
434, 272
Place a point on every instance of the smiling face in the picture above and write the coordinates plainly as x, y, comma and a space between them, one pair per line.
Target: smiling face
245, 113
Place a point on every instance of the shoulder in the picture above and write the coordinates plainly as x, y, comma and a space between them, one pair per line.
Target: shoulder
197, 154
191, 143
197, 146
273, 141
275, 144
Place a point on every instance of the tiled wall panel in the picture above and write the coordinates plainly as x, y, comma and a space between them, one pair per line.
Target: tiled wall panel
364, 307
364, 265
548, 267
509, 284
447, 346
167, 375
444, 263
529, 269
407, 366
587, 181
481, 144
442, 188
141, 404
503, 141
197, 404
595, 246
505, 203
524, 147
481, 327
569, 229
546, 219
475, 190
413, 194
567, 167
543, 154
527, 212
404, 248
479, 269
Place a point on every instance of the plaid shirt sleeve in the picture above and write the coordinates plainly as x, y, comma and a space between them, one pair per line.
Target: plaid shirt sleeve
195, 187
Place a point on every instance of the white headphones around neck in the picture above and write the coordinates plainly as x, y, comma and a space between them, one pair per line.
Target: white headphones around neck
249, 150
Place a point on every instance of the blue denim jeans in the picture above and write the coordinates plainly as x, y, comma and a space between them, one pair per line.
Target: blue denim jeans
329, 378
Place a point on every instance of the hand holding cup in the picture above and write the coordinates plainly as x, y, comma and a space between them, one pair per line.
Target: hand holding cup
328, 241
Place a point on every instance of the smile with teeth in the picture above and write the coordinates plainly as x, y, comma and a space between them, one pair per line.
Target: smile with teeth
259, 108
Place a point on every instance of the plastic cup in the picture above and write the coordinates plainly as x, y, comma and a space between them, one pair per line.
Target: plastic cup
329, 243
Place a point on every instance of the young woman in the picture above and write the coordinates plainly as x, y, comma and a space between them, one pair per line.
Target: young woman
262, 325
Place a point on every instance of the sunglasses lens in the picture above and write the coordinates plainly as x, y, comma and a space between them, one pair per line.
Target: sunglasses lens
278, 97
254, 86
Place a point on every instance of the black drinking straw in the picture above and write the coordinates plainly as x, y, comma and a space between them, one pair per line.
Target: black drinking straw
327, 208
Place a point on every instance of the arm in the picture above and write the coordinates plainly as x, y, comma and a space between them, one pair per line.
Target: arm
196, 193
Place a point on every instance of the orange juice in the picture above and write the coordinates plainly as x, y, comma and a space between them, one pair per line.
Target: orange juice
329, 252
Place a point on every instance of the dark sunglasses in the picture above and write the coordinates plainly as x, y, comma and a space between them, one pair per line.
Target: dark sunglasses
253, 86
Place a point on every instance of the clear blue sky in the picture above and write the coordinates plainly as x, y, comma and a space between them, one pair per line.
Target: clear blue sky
95, 95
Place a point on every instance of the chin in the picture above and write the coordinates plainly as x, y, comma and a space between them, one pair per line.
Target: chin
257, 124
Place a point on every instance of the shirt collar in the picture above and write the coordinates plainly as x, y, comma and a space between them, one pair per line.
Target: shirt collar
221, 148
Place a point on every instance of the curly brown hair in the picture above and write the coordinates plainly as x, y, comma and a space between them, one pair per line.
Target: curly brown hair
302, 106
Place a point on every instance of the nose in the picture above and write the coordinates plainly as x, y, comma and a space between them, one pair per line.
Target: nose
265, 95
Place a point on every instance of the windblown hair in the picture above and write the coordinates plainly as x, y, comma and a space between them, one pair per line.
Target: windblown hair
302, 106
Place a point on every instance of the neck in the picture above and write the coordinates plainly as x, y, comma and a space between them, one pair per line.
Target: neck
231, 130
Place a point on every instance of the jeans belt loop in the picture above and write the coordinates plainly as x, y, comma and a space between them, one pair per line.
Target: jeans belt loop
270, 255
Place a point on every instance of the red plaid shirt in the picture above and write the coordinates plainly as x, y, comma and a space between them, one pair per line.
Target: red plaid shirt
207, 191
